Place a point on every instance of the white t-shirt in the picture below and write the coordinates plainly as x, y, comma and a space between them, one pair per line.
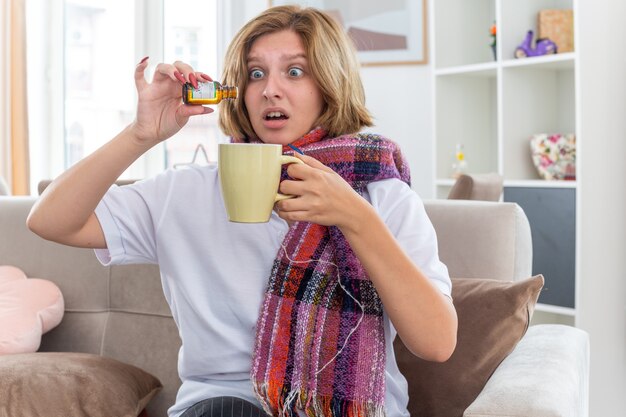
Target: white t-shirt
214, 272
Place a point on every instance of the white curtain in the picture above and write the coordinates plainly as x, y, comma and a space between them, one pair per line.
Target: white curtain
14, 159
5, 126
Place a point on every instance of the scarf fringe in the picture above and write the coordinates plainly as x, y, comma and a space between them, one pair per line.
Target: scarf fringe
313, 405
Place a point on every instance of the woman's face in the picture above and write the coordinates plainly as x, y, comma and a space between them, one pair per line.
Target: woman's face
282, 98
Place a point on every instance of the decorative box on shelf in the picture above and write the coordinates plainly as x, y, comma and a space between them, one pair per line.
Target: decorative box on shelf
554, 155
558, 26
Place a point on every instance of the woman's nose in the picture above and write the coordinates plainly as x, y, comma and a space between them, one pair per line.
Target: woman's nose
273, 87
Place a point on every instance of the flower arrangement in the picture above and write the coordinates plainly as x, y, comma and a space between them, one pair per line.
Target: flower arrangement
493, 32
554, 155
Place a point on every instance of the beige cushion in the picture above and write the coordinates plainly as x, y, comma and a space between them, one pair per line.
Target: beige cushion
487, 187
72, 385
493, 317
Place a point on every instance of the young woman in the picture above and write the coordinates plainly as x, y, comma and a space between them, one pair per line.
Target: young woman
297, 314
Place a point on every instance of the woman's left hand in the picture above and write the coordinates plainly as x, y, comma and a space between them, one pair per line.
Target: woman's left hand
322, 196
415, 306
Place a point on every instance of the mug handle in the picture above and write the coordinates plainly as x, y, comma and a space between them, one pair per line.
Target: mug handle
287, 159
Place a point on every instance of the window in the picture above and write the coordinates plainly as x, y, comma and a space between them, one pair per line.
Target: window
98, 70
81, 87
192, 38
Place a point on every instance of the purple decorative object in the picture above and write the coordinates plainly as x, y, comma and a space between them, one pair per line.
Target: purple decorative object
544, 46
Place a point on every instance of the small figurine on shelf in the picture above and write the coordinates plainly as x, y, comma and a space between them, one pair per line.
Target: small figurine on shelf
544, 46
493, 31
459, 166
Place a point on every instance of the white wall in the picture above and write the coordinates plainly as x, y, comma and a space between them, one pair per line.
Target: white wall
398, 96
601, 287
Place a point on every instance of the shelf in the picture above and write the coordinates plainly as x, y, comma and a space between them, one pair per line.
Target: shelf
540, 184
535, 99
461, 32
564, 61
445, 182
517, 17
480, 70
556, 61
448, 182
493, 107
460, 105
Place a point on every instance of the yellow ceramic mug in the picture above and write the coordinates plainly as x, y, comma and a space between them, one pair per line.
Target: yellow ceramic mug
249, 179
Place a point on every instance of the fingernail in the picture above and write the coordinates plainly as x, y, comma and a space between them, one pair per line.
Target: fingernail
179, 77
193, 80
295, 149
144, 60
206, 77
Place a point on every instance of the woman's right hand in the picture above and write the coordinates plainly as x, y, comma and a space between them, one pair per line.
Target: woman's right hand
160, 110
65, 213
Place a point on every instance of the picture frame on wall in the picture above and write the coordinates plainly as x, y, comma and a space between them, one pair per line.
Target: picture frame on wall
389, 32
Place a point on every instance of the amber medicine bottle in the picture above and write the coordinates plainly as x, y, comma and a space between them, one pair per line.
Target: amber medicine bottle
211, 92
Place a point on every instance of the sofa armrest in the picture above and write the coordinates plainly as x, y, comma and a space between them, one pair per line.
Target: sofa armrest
492, 228
547, 375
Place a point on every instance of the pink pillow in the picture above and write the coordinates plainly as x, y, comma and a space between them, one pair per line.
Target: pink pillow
29, 307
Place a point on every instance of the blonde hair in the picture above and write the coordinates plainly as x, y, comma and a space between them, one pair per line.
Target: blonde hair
332, 61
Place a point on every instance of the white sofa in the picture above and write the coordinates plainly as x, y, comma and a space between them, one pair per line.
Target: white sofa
120, 312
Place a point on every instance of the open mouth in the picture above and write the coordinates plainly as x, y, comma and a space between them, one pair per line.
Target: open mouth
275, 115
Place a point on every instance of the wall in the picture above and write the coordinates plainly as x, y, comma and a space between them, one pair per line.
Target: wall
398, 96
602, 222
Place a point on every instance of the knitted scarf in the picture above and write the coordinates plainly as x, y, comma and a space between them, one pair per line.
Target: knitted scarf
320, 339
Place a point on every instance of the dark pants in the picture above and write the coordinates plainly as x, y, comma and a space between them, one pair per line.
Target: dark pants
224, 407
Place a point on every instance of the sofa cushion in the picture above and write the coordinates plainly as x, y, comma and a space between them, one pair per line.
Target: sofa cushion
72, 385
29, 307
493, 317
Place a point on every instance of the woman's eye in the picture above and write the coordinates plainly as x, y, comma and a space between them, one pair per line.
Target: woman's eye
295, 72
256, 74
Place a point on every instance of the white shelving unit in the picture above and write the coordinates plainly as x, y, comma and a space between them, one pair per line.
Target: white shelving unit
492, 106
